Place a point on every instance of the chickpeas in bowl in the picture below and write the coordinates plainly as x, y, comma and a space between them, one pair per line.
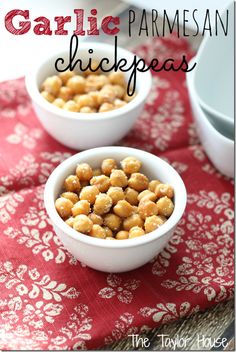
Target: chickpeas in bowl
140, 244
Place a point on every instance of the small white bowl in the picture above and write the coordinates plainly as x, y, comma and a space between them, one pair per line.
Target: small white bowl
219, 148
214, 76
79, 130
119, 255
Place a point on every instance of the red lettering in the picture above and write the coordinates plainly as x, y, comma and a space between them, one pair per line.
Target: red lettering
24, 27
93, 23
42, 28
106, 22
79, 22
61, 21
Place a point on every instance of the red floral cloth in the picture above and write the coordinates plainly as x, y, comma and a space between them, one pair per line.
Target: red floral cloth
48, 300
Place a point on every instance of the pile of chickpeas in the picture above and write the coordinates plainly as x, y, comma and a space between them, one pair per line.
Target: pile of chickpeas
88, 93
114, 203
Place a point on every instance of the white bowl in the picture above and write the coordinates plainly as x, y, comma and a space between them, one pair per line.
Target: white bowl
219, 148
214, 76
122, 255
80, 130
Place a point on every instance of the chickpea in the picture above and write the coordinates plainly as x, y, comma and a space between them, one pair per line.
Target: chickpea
76, 84
72, 184
48, 96
63, 207
153, 184
94, 66
109, 238
87, 110
97, 231
84, 100
147, 195
108, 165
52, 85
165, 206
89, 193
70, 221
66, 75
84, 184
112, 221
96, 219
138, 181
136, 231
147, 208
84, 172
82, 224
65, 93
129, 98
95, 82
131, 196
131, 221
106, 95
152, 223
122, 235
59, 103
103, 204
117, 78
119, 103
102, 182
118, 90
73, 197
123, 209
81, 207
118, 178
97, 172
95, 97
163, 189
70, 105
108, 231
131, 165
135, 209
106, 107
116, 194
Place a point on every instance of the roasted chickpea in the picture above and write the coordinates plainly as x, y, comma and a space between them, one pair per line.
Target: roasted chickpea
96, 219
108, 231
84, 172
87, 110
95, 70
131, 221
102, 182
109, 238
138, 181
103, 204
117, 78
48, 96
95, 97
70, 221
64, 76
136, 232
72, 184
106, 95
118, 178
165, 206
108, 165
97, 172
163, 189
112, 221
153, 184
122, 235
152, 223
131, 165
59, 103
106, 107
118, 90
84, 100
116, 194
63, 207
89, 193
123, 209
129, 98
73, 197
76, 84
147, 208
84, 184
81, 207
147, 195
65, 93
131, 196
52, 85
70, 105
82, 223
118, 103
95, 82
97, 231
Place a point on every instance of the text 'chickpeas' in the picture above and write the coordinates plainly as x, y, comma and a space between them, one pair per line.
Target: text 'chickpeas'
115, 201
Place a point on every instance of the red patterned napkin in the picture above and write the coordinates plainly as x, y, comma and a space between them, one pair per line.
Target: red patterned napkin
48, 300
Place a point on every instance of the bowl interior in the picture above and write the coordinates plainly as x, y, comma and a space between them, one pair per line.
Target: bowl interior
153, 167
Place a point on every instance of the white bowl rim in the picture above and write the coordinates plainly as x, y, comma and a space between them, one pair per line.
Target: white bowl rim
97, 242
32, 88
191, 87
